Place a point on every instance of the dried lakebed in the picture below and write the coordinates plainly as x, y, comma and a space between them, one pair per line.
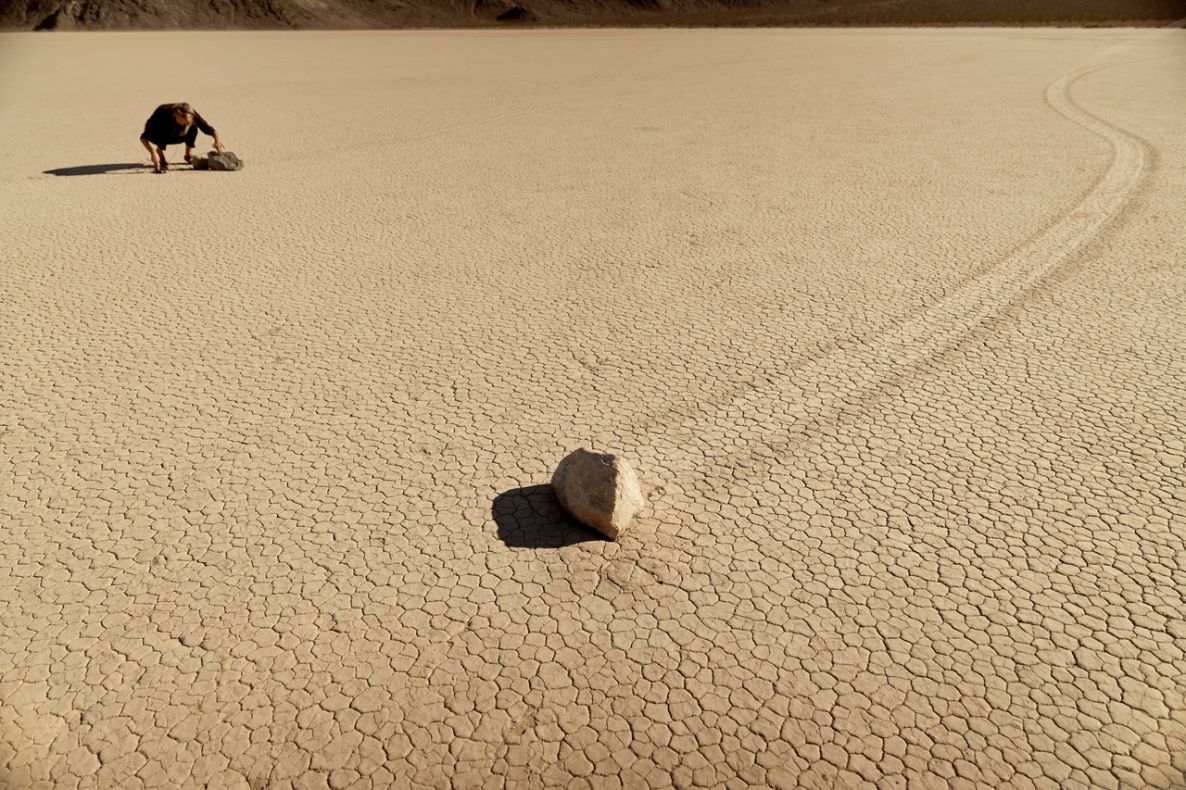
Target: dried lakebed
889, 322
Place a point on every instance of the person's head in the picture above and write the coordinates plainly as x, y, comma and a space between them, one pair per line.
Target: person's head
183, 114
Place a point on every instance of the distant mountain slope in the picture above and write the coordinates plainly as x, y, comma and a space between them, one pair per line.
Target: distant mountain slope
197, 14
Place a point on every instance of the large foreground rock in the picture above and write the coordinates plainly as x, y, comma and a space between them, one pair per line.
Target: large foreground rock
599, 490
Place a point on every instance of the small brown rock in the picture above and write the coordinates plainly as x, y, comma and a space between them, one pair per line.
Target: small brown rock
598, 489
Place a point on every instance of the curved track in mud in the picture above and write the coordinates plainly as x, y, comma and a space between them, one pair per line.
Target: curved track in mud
823, 388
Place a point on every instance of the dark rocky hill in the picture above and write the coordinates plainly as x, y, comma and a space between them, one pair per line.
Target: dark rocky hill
223, 14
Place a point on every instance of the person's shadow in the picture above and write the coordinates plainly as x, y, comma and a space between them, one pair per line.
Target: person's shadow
531, 518
98, 170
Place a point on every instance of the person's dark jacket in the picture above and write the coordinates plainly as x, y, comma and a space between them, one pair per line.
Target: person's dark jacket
161, 129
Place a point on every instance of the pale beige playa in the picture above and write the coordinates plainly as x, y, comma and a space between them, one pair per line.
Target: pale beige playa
891, 323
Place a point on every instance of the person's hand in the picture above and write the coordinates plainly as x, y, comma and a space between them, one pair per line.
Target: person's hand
156, 162
219, 147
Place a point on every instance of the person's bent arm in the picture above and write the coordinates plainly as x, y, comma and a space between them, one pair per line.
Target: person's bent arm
203, 126
156, 158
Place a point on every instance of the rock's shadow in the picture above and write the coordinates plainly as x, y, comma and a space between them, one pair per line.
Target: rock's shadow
531, 518
97, 170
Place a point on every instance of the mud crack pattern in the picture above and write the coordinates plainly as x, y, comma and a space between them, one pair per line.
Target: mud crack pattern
893, 332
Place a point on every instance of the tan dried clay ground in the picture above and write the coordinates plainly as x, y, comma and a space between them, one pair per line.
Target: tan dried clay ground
893, 332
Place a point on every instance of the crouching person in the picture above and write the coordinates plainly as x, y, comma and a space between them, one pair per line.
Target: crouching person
170, 124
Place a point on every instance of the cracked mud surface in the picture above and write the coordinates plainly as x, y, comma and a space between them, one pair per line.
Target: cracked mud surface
891, 324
